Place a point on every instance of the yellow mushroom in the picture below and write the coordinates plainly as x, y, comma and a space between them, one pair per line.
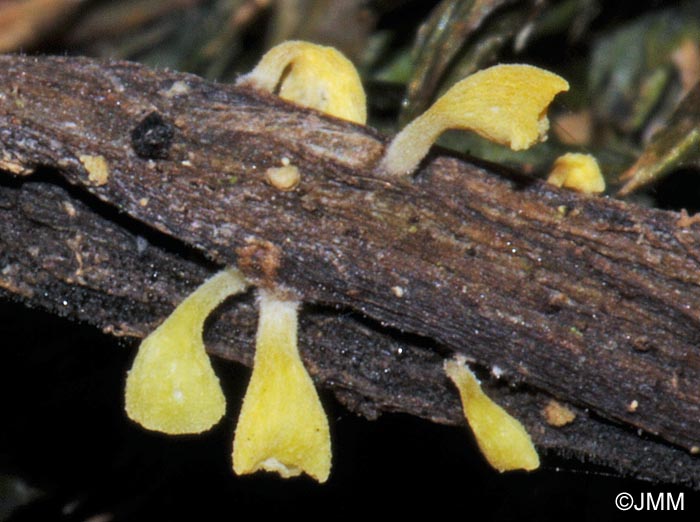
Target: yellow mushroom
501, 438
578, 172
282, 426
506, 104
313, 76
171, 386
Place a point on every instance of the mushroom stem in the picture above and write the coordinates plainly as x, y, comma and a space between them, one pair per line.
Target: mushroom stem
171, 386
502, 439
282, 426
506, 104
412, 144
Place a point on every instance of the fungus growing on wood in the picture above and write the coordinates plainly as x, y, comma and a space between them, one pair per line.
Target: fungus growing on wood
501, 438
284, 178
171, 386
506, 104
579, 172
282, 426
314, 76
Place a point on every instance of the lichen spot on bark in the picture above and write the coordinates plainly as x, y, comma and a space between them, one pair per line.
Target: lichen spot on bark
97, 169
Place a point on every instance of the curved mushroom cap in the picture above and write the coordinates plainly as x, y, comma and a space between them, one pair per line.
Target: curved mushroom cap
506, 104
312, 75
282, 426
502, 439
171, 386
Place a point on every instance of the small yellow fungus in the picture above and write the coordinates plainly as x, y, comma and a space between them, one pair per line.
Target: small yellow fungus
579, 172
284, 178
282, 426
314, 76
398, 291
506, 104
171, 386
501, 438
97, 168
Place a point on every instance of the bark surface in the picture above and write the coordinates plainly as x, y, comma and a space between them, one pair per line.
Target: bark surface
589, 301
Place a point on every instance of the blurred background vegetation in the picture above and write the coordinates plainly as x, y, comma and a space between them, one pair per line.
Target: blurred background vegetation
629, 64
65, 450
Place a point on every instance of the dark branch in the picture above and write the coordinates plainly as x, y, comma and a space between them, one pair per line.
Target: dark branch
586, 300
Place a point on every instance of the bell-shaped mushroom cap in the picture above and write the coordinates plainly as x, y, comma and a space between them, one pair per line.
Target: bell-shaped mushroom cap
282, 426
506, 104
502, 439
313, 76
171, 386
579, 172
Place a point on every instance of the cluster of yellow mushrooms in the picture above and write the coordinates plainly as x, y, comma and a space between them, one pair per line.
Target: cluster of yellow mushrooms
282, 427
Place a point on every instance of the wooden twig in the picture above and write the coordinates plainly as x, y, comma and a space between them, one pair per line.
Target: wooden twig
148, 179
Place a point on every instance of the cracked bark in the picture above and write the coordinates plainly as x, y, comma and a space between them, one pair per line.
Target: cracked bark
589, 301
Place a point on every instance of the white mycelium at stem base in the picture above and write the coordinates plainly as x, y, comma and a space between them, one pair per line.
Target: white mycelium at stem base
171, 386
282, 426
506, 104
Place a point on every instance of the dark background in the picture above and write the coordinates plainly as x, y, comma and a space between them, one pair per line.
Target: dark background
65, 435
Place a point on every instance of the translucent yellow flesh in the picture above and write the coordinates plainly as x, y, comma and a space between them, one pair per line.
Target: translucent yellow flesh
501, 438
506, 104
313, 76
578, 172
282, 426
171, 386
